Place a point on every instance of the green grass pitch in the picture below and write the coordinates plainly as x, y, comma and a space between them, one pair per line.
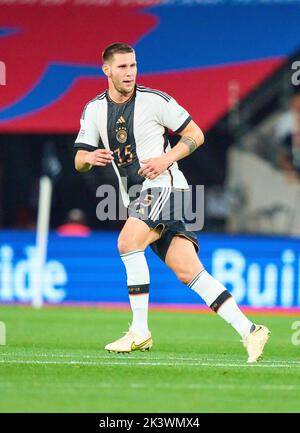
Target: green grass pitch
54, 361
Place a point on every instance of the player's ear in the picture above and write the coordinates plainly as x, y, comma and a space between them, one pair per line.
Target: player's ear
106, 69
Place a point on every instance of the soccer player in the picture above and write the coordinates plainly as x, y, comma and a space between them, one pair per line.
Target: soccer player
127, 126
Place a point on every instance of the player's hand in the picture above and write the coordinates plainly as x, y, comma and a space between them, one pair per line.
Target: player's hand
153, 167
99, 157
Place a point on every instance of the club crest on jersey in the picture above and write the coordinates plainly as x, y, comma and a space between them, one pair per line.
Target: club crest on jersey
121, 130
121, 135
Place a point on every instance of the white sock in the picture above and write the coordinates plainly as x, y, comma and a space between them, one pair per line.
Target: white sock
217, 297
139, 306
138, 279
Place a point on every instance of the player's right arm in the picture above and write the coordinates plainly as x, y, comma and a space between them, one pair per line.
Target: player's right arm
88, 154
85, 160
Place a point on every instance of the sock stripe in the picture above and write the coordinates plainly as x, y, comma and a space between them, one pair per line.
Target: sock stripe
220, 301
131, 252
138, 289
191, 283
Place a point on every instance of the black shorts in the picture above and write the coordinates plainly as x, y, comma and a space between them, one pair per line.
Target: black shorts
163, 209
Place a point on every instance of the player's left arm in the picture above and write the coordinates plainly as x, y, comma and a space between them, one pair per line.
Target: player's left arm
191, 138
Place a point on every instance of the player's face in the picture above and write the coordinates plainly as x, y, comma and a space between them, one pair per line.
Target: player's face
122, 72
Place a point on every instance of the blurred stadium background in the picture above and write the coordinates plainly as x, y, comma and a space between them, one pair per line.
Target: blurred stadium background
231, 64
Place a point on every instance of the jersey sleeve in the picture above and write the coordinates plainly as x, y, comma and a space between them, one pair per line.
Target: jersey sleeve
173, 116
88, 137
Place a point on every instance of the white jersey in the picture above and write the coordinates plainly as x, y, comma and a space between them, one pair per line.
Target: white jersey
134, 131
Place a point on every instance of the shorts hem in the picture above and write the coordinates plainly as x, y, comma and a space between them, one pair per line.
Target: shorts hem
156, 227
189, 238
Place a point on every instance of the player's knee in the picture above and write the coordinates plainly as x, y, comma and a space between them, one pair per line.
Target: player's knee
122, 246
185, 276
126, 245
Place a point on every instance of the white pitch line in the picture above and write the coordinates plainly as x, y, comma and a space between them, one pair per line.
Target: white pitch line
133, 357
144, 363
164, 385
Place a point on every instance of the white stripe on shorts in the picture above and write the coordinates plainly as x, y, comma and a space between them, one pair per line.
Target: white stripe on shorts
162, 194
163, 202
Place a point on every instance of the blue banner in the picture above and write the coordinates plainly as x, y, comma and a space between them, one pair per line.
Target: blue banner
258, 271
